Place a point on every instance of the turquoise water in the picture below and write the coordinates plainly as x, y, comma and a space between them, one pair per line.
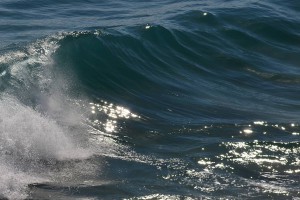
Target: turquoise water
149, 100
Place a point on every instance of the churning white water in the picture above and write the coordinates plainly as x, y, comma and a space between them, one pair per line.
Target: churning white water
33, 137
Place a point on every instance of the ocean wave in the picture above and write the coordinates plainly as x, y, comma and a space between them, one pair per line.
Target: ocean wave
167, 69
49, 131
158, 95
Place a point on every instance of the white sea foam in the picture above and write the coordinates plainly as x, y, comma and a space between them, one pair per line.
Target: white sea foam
42, 124
27, 139
32, 135
25, 132
13, 182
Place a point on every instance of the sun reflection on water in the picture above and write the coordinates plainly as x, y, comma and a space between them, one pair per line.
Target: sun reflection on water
106, 115
245, 158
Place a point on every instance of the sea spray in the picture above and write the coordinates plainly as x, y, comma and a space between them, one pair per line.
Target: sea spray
37, 122
49, 131
27, 134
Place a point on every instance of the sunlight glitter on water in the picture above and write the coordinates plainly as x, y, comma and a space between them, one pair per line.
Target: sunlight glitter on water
106, 115
259, 153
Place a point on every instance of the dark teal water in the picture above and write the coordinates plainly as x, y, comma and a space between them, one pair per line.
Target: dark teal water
149, 99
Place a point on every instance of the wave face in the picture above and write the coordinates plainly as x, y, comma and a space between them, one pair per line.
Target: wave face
149, 100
